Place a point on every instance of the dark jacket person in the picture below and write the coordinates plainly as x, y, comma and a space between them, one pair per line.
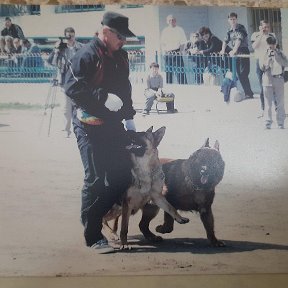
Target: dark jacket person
98, 83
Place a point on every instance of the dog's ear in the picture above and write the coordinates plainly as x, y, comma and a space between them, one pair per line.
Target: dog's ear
158, 135
216, 145
206, 144
150, 129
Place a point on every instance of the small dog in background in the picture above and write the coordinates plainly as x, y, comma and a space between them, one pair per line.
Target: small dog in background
147, 185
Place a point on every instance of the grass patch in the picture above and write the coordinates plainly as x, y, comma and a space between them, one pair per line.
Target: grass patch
21, 106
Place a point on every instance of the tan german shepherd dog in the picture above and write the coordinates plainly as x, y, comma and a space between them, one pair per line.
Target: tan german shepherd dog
147, 185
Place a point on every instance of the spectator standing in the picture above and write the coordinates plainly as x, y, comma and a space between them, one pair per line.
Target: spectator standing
154, 82
173, 39
212, 44
13, 30
193, 48
98, 83
238, 37
260, 46
272, 65
60, 57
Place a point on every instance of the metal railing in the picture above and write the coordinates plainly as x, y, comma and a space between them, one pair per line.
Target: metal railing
137, 66
190, 69
25, 68
184, 69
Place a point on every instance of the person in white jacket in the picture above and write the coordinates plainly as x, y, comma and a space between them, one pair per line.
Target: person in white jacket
173, 40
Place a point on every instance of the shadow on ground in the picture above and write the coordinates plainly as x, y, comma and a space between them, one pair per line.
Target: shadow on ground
197, 246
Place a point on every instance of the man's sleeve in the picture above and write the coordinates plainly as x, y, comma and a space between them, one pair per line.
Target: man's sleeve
76, 83
20, 32
227, 38
4, 32
241, 33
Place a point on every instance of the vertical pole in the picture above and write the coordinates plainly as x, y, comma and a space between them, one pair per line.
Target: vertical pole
156, 57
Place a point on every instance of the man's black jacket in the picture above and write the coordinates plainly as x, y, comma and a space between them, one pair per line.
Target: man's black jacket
90, 69
14, 31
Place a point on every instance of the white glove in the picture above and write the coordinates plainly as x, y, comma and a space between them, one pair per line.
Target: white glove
130, 125
113, 102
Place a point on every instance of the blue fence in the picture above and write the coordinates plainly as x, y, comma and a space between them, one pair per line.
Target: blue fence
25, 68
182, 69
197, 69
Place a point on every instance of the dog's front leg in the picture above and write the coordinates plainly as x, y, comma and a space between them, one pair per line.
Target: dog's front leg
161, 202
126, 212
207, 218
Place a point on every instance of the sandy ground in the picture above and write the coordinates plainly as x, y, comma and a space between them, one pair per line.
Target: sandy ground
41, 178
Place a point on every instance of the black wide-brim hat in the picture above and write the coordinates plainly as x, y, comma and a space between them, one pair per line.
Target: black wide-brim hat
117, 22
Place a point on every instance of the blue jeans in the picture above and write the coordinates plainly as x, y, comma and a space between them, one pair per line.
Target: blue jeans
107, 169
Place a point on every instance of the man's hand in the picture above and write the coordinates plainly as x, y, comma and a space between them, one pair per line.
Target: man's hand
232, 53
130, 125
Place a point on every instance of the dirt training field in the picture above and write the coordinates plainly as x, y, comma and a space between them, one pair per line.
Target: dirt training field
41, 179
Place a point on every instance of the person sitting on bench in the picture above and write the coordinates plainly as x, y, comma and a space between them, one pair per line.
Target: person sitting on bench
154, 84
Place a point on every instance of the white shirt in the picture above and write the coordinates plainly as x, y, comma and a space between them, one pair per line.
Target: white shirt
172, 38
263, 46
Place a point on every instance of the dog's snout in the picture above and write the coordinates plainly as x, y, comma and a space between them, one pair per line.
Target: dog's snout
203, 170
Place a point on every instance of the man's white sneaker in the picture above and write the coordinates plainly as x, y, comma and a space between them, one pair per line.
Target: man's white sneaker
102, 247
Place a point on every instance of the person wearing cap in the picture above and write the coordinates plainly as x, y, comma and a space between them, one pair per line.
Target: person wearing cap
238, 37
98, 84
260, 46
154, 83
272, 64
13, 30
212, 44
173, 40
60, 57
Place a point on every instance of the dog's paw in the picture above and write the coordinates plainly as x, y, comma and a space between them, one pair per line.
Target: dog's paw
125, 247
183, 220
163, 229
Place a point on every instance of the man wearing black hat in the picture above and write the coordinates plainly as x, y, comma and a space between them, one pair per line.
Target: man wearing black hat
12, 30
97, 82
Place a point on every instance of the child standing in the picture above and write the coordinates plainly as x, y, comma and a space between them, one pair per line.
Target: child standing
273, 63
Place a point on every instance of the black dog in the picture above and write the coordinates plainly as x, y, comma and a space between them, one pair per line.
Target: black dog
189, 186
